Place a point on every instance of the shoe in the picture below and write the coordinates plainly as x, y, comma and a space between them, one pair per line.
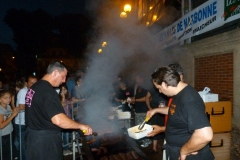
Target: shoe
67, 152
144, 145
148, 141
70, 152
152, 151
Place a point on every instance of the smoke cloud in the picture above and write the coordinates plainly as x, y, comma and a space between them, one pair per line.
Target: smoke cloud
131, 49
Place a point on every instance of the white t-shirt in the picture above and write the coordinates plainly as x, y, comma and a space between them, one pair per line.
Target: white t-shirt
20, 118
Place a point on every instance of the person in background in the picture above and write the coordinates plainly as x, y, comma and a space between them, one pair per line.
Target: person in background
45, 116
177, 67
139, 104
15, 87
81, 72
188, 129
122, 94
115, 89
67, 105
153, 100
78, 98
139, 100
19, 125
6, 117
70, 83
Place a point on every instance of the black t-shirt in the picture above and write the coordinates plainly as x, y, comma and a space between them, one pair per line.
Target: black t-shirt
123, 95
157, 97
157, 119
42, 103
186, 114
140, 107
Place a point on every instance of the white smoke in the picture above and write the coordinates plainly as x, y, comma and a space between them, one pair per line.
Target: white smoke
131, 49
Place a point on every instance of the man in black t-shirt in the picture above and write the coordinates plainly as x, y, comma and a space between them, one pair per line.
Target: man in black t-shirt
188, 129
45, 116
122, 94
153, 100
139, 100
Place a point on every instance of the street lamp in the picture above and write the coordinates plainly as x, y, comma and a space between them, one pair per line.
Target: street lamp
127, 8
123, 15
104, 44
99, 50
154, 18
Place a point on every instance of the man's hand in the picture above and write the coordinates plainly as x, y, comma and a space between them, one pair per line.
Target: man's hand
150, 113
183, 157
199, 139
87, 130
131, 100
156, 130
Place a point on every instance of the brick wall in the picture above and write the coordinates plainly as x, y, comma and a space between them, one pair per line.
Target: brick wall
215, 72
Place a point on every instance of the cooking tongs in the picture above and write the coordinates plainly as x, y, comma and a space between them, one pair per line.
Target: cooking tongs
140, 127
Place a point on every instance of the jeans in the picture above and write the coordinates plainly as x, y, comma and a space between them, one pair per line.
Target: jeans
6, 147
19, 141
66, 136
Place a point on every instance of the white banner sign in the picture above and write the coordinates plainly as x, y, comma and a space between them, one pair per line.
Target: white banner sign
208, 16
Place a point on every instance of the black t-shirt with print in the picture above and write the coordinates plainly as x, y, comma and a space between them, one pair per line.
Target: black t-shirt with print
42, 103
123, 95
187, 114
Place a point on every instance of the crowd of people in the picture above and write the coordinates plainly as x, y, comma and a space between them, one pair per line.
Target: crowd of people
38, 116
44, 109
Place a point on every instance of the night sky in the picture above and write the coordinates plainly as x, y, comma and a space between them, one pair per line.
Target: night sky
54, 7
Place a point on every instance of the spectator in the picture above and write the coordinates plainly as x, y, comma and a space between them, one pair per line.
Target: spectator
19, 126
70, 83
67, 105
78, 98
6, 116
15, 87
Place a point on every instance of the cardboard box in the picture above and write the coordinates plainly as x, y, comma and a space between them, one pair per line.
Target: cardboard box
220, 115
123, 115
135, 133
209, 97
220, 146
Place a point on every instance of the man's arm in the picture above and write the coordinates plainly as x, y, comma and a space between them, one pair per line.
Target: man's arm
62, 121
148, 96
156, 130
162, 110
199, 139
